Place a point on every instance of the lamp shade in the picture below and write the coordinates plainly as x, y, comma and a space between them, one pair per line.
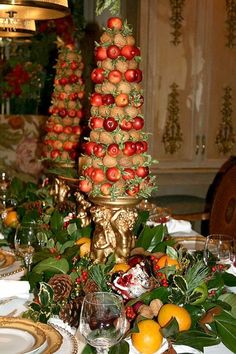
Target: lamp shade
16, 29
34, 9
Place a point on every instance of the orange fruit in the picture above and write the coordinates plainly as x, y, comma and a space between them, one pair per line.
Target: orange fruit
124, 267
168, 311
85, 245
166, 261
11, 219
149, 338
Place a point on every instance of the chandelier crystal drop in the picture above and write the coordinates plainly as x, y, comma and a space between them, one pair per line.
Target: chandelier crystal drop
34, 9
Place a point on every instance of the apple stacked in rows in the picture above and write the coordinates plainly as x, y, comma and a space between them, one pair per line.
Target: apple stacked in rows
115, 160
63, 128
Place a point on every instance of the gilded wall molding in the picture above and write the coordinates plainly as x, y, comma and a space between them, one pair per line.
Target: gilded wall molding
176, 19
226, 138
231, 22
172, 137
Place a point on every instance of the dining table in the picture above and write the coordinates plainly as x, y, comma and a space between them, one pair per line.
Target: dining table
15, 297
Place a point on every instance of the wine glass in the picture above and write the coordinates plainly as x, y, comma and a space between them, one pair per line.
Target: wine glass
26, 241
219, 248
102, 320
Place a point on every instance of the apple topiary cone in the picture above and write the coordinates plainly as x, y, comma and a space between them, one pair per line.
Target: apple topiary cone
63, 128
115, 161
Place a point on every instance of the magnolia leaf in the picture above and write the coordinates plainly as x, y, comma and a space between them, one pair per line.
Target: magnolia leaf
56, 221
71, 228
230, 299
197, 339
150, 237
229, 279
181, 283
171, 329
34, 306
52, 264
226, 327
65, 246
171, 252
141, 220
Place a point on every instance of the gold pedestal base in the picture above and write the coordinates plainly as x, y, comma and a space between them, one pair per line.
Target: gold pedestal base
114, 221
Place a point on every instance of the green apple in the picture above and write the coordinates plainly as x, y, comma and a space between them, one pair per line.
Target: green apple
203, 291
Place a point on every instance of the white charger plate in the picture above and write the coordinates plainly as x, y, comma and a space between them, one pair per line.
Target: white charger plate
21, 336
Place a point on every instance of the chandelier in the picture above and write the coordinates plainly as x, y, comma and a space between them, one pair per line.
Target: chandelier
33, 9
18, 29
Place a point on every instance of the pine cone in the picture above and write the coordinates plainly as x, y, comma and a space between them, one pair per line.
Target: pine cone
62, 285
90, 287
71, 312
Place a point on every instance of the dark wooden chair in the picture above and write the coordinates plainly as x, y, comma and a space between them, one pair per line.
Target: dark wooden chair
220, 210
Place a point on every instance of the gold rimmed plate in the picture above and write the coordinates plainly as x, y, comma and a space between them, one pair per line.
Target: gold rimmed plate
191, 243
54, 338
21, 336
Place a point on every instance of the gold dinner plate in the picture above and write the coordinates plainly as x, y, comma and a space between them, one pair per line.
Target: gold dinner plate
54, 338
191, 243
21, 336
6, 259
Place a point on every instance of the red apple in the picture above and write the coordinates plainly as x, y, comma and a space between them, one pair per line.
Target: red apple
88, 147
110, 124
114, 76
58, 128
129, 148
87, 171
128, 174
67, 145
108, 99
63, 81
73, 78
113, 174
97, 75
129, 51
126, 125
137, 101
72, 113
96, 122
73, 96
132, 190
113, 51
139, 75
106, 188
85, 186
131, 75
100, 53
67, 130
77, 130
113, 150
62, 112
142, 171
114, 23
99, 150
96, 99
74, 65
138, 123
141, 147
97, 175
55, 154
122, 100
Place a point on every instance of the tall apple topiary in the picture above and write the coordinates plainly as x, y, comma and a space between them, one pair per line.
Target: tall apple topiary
63, 128
115, 161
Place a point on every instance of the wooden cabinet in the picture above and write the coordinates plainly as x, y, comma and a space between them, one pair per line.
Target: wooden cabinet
201, 66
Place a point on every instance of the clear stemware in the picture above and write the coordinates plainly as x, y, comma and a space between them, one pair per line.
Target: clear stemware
219, 248
26, 241
102, 320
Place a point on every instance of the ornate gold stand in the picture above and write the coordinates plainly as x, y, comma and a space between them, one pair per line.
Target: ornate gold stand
114, 221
